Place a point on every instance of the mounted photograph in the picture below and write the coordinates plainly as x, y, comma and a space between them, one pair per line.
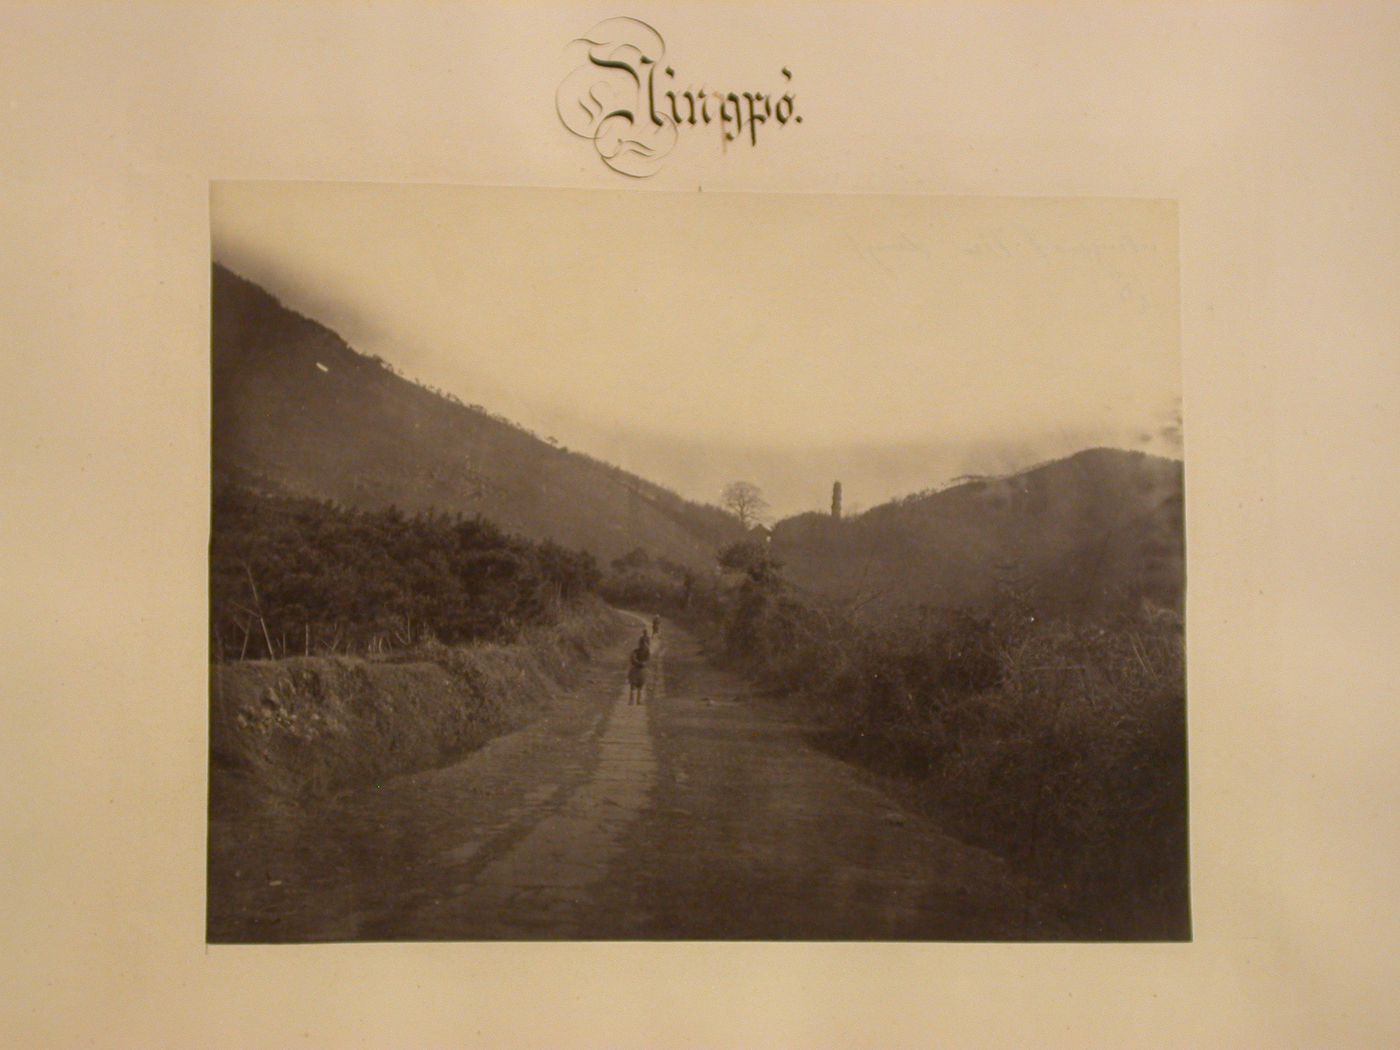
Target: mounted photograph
643, 565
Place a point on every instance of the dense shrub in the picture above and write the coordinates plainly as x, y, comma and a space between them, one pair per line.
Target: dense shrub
638, 581
1060, 745
290, 575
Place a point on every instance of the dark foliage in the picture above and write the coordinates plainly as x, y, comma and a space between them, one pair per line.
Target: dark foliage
752, 558
291, 575
1060, 744
639, 581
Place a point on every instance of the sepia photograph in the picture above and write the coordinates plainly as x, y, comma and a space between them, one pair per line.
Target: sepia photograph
567, 526
599, 565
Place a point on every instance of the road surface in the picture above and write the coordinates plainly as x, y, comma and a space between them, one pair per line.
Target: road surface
702, 814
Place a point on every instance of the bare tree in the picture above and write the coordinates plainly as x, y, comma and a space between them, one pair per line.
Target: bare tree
745, 501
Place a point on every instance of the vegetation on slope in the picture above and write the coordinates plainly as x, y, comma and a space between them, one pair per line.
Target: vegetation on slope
1058, 742
291, 575
1091, 535
295, 406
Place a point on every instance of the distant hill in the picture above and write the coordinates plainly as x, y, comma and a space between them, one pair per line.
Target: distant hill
1099, 531
295, 408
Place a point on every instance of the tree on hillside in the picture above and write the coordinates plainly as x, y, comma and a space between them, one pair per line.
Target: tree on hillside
745, 501
836, 501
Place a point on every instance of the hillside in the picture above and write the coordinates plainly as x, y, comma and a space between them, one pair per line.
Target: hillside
296, 408
1098, 531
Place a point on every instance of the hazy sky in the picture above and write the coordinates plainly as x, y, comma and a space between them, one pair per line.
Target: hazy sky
890, 341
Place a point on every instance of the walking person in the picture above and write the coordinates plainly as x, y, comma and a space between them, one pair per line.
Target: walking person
656, 625
637, 673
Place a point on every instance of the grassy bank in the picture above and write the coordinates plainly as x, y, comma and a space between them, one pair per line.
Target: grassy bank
305, 727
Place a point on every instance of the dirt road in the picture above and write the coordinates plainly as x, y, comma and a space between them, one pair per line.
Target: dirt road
701, 814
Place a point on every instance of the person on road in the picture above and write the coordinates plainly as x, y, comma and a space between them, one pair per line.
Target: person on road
637, 673
656, 624
644, 643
